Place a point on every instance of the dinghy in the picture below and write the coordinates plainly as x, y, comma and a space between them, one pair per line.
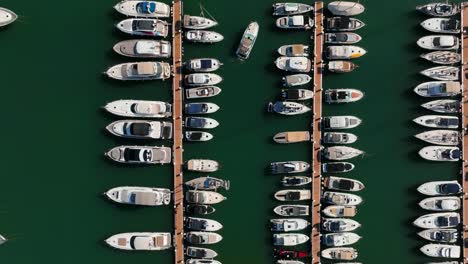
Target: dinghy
142, 48
345, 8
295, 50
140, 241
202, 165
203, 36
202, 238
344, 52
442, 57
202, 224
442, 25
341, 66
201, 209
438, 220
288, 224
285, 9
440, 153
445, 106
337, 167
296, 80
203, 197
208, 183
140, 108
442, 73
338, 138
340, 253
438, 121
446, 203
440, 188
200, 123
292, 195
438, 89
439, 9
341, 153
342, 184
147, 9
287, 108
337, 198
292, 210
140, 71
441, 251
295, 22
247, 41
202, 79
198, 136
340, 211
339, 239
293, 64
337, 96
201, 253
339, 225
449, 235
144, 27
202, 92
288, 167
440, 137
291, 137
134, 195
342, 38
295, 180
197, 22
296, 94
340, 122
141, 129
7, 17
291, 239
343, 24
200, 108
140, 154
203, 65
439, 42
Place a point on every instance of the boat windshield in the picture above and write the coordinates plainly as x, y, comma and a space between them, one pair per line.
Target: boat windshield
137, 129
293, 196
143, 25
449, 188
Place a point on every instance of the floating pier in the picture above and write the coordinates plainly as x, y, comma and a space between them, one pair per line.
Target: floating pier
177, 121
316, 133
464, 123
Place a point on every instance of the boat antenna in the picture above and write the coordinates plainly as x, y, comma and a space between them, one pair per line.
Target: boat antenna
203, 10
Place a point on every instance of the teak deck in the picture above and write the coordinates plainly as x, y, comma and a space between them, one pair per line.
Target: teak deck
464, 121
316, 132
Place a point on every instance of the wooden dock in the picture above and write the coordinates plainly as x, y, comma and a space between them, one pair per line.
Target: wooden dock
316, 133
177, 149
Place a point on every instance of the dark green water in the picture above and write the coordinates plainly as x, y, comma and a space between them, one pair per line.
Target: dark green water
53, 138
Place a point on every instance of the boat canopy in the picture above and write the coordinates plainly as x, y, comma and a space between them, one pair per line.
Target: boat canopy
448, 188
296, 21
145, 47
146, 7
144, 198
147, 68
137, 129
291, 7
143, 24
445, 41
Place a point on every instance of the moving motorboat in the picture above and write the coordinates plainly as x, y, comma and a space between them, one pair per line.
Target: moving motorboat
440, 188
140, 241
201, 209
134, 195
438, 89
340, 211
445, 203
201, 253
202, 92
147, 9
198, 136
203, 197
441, 251
345, 8
208, 183
342, 184
438, 220
202, 165
203, 36
144, 27
292, 195
287, 108
291, 239
439, 9
295, 180
285, 9
296, 80
446, 106
337, 167
294, 50
202, 224
289, 167
291, 137
343, 24
140, 154
344, 52
439, 42
203, 65
440, 137
341, 66
3, 240
142, 48
288, 224
202, 238
339, 239
442, 73
295, 22
442, 57
340, 122
442, 25
342, 38
449, 235
339, 225
141, 129
202, 79
200, 108
296, 94
197, 22
202, 261
140, 71
338, 138
247, 41
294, 64
7, 17
292, 210
342, 95
341, 153
437, 121
200, 122
340, 253
440, 153
337, 198
140, 108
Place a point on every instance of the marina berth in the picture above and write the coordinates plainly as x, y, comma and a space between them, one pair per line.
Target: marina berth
144, 27
282, 167
438, 220
345, 8
440, 188
445, 203
202, 261
142, 48
341, 66
340, 211
340, 122
442, 25
344, 52
442, 57
200, 108
203, 197
294, 64
341, 153
7, 17
437, 121
287, 108
198, 136
201, 253
343, 24
202, 92
202, 238
440, 153
199, 209
439, 9
339, 239
439, 42
337, 198
441, 251
197, 22
296, 94
140, 241
342, 38
448, 235
295, 22
202, 224
200, 122
140, 154
247, 41
146, 9
285, 9
289, 239
290, 254
337, 96
446, 106
291, 137
140, 71
438, 89
294, 50
134, 195
202, 79
208, 183
203, 65
337, 167
342, 184
202, 165
292, 210
338, 138
340, 253
295, 180
203, 36
440, 137
339, 225
288, 224
139, 108
296, 80
442, 73
141, 129
292, 195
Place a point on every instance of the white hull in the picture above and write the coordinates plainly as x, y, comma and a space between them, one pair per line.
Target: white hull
292, 210
141, 129
341, 153
440, 137
204, 197
200, 122
147, 9
444, 203
340, 253
197, 22
444, 106
203, 238
339, 225
442, 25
449, 220
441, 251
345, 8
439, 42
340, 211
341, 122
440, 188
289, 239
201, 108
7, 17
442, 73
202, 224
442, 57
202, 92
342, 184
202, 79
337, 198
145, 196
437, 121
144, 27
203, 36
344, 52
140, 241
292, 195
338, 138
142, 48
340, 239
202, 165
288, 224
294, 64
440, 153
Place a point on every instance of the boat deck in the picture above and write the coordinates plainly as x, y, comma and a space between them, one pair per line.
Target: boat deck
177, 119
316, 132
